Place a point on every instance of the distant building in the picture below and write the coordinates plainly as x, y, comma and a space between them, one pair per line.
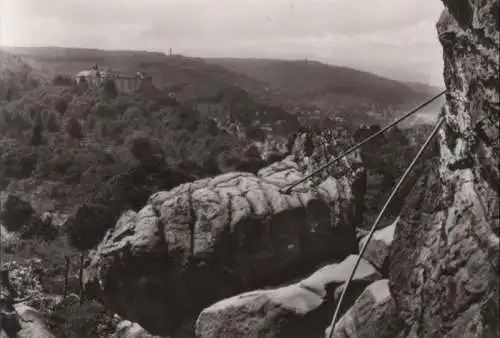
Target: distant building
124, 83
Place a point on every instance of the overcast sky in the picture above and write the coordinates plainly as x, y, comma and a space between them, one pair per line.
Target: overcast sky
395, 38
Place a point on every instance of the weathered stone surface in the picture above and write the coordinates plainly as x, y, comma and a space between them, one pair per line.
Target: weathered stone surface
444, 262
296, 310
32, 324
372, 315
378, 248
213, 238
128, 329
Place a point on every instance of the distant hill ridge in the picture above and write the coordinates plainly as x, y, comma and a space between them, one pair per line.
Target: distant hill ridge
306, 77
304, 85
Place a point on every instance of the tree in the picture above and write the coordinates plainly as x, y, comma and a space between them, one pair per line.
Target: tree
15, 213
61, 105
9, 94
62, 80
109, 90
143, 148
104, 129
74, 129
82, 86
52, 123
37, 131
89, 225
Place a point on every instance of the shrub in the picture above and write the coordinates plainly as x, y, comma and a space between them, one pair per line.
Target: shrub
61, 105
82, 86
105, 110
255, 133
62, 80
37, 131
109, 89
39, 229
144, 148
15, 213
52, 123
104, 129
19, 121
74, 129
25, 277
19, 162
74, 320
88, 226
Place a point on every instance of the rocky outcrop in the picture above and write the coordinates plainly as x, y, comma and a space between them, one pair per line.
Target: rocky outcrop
444, 271
372, 315
27, 323
20, 288
378, 249
443, 267
213, 238
297, 310
127, 329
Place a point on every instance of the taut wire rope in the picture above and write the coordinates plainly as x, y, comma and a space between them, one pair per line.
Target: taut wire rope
379, 217
360, 144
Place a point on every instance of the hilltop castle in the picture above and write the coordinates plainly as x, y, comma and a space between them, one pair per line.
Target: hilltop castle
124, 83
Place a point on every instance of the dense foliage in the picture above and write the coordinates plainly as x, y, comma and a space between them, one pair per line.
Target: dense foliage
94, 153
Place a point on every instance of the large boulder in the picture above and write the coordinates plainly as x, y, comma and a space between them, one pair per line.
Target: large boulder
444, 262
379, 246
372, 315
213, 238
297, 310
128, 329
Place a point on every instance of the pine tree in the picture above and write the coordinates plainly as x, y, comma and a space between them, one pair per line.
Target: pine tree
37, 131
52, 123
74, 129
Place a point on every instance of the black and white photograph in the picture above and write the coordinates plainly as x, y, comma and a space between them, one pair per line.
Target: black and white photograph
249, 169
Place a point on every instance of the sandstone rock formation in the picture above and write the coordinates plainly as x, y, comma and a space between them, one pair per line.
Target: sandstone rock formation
213, 238
378, 249
296, 310
443, 271
444, 263
372, 315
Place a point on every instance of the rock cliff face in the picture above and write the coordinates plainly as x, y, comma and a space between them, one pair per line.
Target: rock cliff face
212, 238
444, 265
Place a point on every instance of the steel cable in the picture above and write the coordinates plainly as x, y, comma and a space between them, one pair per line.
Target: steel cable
374, 226
360, 144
